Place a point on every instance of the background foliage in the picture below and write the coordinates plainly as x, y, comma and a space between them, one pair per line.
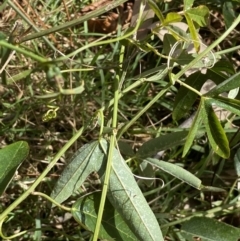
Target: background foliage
161, 95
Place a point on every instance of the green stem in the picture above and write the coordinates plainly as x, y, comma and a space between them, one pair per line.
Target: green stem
110, 152
113, 136
228, 208
74, 22
142, 111
44, 173
52, 201
188, 87
207, 50
104, 42
229, 50
11, 4
23, 51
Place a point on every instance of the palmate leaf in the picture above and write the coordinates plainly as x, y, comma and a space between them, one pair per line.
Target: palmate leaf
168, 43
172, 17
11, 157
199, 15
123, 191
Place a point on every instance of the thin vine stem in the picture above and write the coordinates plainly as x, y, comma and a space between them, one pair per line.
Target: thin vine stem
43, 174
114, 127
207, 50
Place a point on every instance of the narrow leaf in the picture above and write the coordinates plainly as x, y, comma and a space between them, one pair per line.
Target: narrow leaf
215, 132
161, 143
193, 32
113, 227
212, 189
229, 84
237, 162
209, 229
125, 148
177, 172
156, 10
193, 130
226, 103
11, 157
185, 98
123, 191
177, 32
127, 198
223, 68
228, 13
86, 160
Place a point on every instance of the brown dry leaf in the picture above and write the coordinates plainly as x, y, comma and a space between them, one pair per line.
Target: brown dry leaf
108, 23
94, 5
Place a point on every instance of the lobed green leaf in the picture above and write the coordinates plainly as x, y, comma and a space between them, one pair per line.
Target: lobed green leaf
199, 15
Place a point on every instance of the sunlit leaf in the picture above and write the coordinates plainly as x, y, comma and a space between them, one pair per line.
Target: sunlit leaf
215, 131
172, 17
232, 94
127, 198
86, 160
199, 15
193, 31
193, 130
